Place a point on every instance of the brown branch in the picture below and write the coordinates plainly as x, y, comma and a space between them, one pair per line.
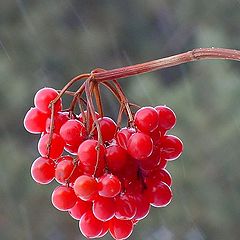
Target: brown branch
190, 56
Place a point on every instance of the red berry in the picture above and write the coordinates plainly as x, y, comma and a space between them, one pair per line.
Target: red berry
59, 119
44, 97
143, 206
120, 229
109, 186
123, 135
116, 158
63, 171
90, 226
86, 187
152, 161
158, 193
167, 118
125, 207
90, 152
56, 146
146, 119
80, 208
171, 147
63, 198
35, 121
42, 170
73, 132
140, 145
108, 128
104, 208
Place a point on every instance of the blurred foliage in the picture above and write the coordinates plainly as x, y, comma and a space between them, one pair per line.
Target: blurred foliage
45, 43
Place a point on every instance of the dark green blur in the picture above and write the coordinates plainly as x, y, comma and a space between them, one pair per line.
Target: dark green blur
47, 42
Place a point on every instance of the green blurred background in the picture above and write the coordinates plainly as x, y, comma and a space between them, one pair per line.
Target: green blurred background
47, 42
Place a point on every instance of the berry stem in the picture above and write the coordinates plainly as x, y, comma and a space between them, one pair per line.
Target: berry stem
190, 56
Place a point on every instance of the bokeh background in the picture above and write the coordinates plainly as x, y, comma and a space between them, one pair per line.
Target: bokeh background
47, 42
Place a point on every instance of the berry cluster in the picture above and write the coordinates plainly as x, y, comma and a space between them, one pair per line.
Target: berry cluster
108, 176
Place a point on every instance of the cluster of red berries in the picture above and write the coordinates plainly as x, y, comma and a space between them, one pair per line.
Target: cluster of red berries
107, 185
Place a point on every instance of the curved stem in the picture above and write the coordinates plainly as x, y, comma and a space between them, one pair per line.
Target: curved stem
190, 56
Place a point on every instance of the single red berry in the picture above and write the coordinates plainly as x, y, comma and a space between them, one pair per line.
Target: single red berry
108, 128
80, 208
109, 186
35, 121
171, 147
143, 206
123, 135
63, 171
44, 97
120, 229
73, 132
63, 198
146, 119
86, 187
167, 118
55, 149
104, 208
90, 226
158, 193
59, 119
140, 145
125, 207
116, 157
90, 152
158, 174
42, 170
152, 161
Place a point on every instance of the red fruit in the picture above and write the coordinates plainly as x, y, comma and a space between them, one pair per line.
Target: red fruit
158, 193
56, 147
42, 170
116, 158
120, 229
63, 171
90, 226
152, 161
159, 174
108, 128
105, 229
86, 187
167, 118
104, 208
143, 207
125, 207
35, 121
44, 97
59, 119
146, 119
171, 147
63, 198
163, 163
140, 145
80, 208
73, 132
123, 135
109, 186
88, 152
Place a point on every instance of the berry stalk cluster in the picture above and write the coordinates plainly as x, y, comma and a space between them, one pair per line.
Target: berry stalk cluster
109, 175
